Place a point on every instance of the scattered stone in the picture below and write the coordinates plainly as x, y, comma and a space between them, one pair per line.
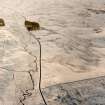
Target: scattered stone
97, 11
32, 26
98, 30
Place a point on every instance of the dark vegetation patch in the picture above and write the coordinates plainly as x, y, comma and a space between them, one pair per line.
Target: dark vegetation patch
32, 26
2, 23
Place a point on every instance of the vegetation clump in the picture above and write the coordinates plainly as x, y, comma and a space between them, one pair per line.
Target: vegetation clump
2, 23
32, 26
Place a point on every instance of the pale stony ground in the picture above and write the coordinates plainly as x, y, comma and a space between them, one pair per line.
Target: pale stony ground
72, 36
